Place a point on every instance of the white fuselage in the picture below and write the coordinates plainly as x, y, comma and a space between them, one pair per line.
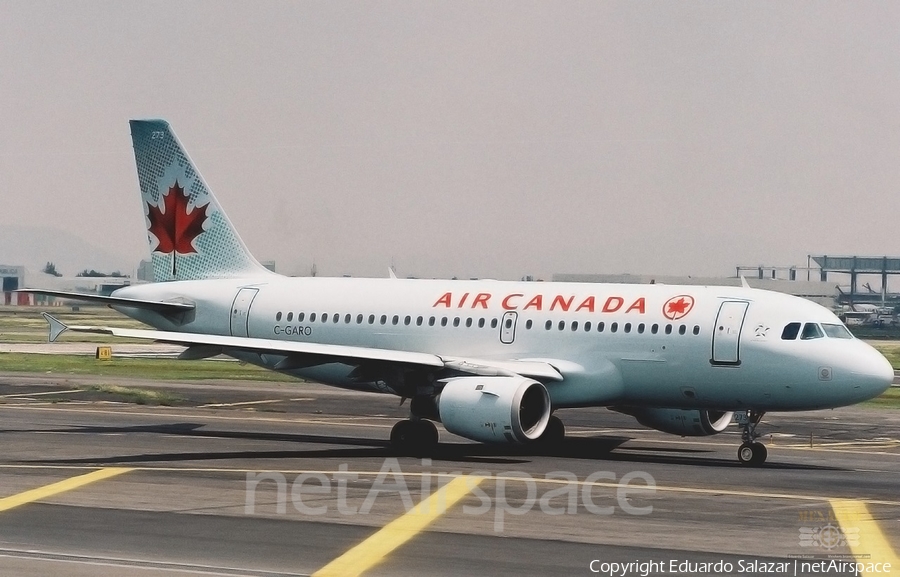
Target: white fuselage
616, 344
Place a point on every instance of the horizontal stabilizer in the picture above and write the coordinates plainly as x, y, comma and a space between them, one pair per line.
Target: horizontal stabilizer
158, 306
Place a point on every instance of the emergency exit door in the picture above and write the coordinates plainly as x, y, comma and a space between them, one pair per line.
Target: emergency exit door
508, 327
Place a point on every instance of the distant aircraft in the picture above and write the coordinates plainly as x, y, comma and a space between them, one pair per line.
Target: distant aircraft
491, 360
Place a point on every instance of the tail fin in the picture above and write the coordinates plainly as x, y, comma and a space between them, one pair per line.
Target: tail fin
190, 237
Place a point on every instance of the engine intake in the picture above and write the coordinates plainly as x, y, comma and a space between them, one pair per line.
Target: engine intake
495, 409
684, 422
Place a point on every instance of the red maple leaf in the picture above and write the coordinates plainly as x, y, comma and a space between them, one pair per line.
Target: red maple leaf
678, 307
174, 228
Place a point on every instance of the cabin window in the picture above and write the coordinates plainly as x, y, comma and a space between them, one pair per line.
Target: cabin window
359, 319
300, 317
337, 318
528, 324
654, 328
613, 327
627, 327
395, 319
548, 325
456, 321
430, 321
443, 321
407, 320
419, 321
696, 329
324, 317
668, 329
347, 319
641, 328
600, 327
790, 332
574, 325
587, 326
562, 325
312, 318
480, 323
682, 329
493, 323
371, 319
383, 319
811, 331
277, 316
836, 331
469, 322
290, 317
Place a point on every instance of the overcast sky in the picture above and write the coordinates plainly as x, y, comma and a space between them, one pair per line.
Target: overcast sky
490, 139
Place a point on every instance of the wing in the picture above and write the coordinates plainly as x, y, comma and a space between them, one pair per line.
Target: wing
301, 355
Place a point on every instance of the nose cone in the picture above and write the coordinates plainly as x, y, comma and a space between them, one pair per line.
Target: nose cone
872, 374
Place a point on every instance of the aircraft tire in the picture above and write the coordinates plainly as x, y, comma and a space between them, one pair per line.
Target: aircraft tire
752, 454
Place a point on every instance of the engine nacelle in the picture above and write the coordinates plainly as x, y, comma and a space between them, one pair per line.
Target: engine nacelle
495, 409
684, 422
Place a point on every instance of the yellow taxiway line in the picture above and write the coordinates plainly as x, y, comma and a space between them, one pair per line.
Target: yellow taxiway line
370, 552
871, 546
60, 487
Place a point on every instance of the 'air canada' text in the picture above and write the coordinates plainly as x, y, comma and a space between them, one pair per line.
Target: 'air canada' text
540, 302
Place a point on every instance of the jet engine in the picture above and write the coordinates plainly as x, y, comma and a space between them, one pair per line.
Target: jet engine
494, 409
684, 422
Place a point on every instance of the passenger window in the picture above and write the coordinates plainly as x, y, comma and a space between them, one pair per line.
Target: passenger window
480, 323
574, 325
300, 317
337, 318
627, 327
562, 325
682, 329
359, 319
811, 331
290, 317
419, 321
430, 321
654, 329
508, 323
528, 324
696, 329
493, 323
613, 327
407, 320
468, 322
456, 322
836, 331
668, 329
395, 319
641, 328
383, 319
790, 332
548, 324
371, 319
277, 316
312, 317
587, 326
443, 321
600, 327
324, 317
347, 319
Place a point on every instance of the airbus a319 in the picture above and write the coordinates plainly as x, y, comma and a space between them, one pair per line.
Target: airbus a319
490, 360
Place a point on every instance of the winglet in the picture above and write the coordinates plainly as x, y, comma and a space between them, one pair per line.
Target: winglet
56, 326
744, 282
391, 272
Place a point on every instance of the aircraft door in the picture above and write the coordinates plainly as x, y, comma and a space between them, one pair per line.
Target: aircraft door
240, 312
508, 327
726, 340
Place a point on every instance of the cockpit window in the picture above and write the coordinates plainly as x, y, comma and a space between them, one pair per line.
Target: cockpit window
790, 332
836, 331
811, 331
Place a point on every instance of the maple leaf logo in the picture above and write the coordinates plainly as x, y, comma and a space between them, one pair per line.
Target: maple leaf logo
174, 228
678, 307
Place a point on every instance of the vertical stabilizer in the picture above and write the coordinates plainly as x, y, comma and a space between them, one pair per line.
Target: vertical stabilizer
190, 236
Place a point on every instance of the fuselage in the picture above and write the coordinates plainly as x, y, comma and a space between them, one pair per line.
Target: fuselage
725, 348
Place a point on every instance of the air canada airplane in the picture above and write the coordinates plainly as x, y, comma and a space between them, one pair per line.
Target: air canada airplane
490, 360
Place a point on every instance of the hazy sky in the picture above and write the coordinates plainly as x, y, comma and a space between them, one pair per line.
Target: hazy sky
490, 139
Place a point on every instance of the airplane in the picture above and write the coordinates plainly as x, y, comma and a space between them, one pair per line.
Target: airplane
490, 360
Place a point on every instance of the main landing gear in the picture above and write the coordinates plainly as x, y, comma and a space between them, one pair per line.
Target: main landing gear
414, 436
751, 452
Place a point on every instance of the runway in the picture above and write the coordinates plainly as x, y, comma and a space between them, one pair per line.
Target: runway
247, 478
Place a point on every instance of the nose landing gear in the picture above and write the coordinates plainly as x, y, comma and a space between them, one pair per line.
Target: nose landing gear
751, 452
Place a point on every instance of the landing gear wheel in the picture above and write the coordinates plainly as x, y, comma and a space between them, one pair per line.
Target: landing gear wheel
752, 454
416, 438
554, 434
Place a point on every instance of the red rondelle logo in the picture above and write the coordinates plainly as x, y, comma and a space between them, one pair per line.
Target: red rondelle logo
678, 307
